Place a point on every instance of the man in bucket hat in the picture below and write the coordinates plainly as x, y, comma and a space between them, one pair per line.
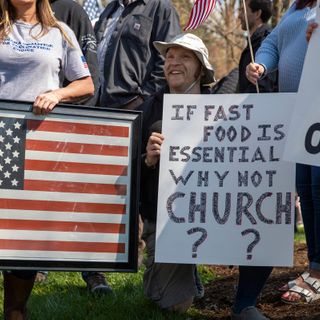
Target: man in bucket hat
187, 69
196, 46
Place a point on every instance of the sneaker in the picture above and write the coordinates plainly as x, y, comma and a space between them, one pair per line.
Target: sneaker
249, 313
200, 288
96, 283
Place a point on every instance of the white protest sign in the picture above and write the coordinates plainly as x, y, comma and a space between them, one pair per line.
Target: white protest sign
303, 143
224, 195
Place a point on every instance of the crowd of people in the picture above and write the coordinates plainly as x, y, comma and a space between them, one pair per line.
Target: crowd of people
134, 55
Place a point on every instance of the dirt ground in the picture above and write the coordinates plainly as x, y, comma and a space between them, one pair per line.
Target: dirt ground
220, 293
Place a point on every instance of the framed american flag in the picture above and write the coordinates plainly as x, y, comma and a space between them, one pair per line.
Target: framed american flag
69, 186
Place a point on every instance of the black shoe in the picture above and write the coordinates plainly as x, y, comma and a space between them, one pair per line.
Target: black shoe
249, 313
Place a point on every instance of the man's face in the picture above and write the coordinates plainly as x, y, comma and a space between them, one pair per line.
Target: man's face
181, 68
252, 16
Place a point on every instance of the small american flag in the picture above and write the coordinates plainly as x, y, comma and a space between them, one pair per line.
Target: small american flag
64, 186
84, 61
92, 9
199, 13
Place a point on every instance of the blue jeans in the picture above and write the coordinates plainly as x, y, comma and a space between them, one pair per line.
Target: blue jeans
308, 188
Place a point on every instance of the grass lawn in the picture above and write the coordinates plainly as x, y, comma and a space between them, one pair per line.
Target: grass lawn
64, 297
299, 236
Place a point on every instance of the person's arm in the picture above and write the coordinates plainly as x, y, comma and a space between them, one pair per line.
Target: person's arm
72, 14
254, 71
165, 27
153, 149
268, 83
266, 59
311, 27
76, 90
268, 53
75, 70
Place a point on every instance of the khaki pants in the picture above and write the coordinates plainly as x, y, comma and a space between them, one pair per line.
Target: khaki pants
167, 284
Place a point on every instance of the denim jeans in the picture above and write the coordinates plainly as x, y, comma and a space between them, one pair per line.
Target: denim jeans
308, 188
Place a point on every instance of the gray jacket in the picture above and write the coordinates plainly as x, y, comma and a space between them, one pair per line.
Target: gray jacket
133, 67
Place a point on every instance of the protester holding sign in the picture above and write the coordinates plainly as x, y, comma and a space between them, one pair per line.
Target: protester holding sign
251, 278
36, 52
284, 49
187, 69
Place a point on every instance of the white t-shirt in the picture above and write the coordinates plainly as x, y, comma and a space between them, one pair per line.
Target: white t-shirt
29, 66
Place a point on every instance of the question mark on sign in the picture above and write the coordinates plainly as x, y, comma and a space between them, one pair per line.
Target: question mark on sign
199, 241
253, 243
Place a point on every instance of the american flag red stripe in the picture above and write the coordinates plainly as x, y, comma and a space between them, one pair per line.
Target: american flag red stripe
61, 186
63, 206
80, 128
65, 226
81, 148
199, 13
75, 187
6, 244
64, 166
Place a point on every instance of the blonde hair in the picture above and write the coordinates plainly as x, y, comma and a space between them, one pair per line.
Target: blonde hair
44, 14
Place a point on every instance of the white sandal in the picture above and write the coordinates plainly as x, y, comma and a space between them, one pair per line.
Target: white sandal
308, 295
292, 283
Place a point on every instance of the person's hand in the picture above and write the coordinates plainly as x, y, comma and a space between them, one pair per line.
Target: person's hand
153, 148
45, 102
254, 71
311, 27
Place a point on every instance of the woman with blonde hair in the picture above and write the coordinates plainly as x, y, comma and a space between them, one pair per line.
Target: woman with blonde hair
36, 54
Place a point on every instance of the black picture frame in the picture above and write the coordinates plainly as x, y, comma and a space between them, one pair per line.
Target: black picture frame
134, 118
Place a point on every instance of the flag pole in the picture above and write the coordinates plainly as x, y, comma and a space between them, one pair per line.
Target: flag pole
249, 37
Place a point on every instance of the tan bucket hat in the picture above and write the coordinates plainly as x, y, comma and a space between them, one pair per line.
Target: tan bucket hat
193, 43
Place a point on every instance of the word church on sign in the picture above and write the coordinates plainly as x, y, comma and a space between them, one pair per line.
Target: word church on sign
244, 205
223, 184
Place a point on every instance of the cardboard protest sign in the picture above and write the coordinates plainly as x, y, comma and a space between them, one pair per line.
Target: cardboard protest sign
303, 143
224, 195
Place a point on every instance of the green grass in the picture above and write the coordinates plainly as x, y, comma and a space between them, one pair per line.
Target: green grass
64, 297
299, 236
